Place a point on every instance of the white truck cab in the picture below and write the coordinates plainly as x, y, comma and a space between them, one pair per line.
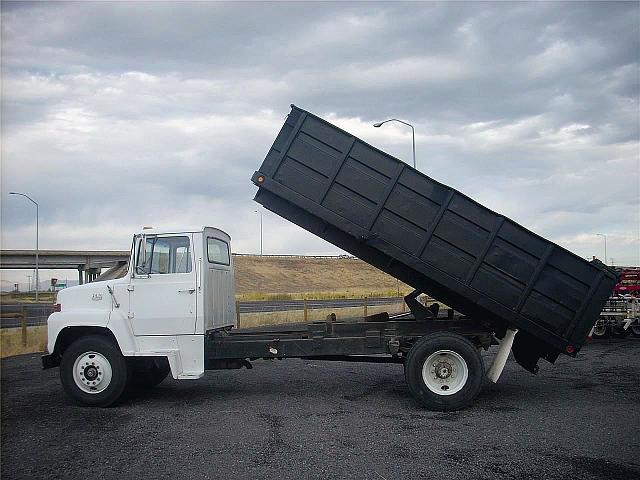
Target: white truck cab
179, 285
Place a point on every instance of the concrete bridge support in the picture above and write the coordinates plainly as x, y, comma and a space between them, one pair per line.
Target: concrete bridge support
88, 274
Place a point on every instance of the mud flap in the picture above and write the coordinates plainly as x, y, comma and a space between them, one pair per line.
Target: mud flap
527, 350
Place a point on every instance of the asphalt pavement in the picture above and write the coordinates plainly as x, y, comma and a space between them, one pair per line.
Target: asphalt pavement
301, 419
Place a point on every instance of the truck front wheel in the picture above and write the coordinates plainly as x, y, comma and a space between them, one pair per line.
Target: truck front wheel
93, 371
444, 371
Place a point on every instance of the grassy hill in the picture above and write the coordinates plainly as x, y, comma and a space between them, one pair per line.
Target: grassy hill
288, 277
283, 277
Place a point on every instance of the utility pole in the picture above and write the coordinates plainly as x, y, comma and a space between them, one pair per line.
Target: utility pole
37, 279
605, 246
413, 134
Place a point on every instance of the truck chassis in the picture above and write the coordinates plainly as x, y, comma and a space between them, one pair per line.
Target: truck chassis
345, 340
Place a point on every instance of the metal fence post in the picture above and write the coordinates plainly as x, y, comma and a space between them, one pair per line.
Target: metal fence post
238, 313
305, 310
365, 306
23, 324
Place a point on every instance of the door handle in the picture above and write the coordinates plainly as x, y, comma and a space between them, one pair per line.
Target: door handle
187, 290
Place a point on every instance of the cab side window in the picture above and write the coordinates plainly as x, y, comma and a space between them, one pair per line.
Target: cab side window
165, 255
217, 251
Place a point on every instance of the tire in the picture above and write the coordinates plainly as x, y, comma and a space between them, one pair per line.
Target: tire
635, 328
148, 372
444, 371
601, 331
619, 332
93, 371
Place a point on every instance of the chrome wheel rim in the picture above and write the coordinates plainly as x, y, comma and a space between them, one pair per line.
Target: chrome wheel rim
445, 372
600, 330
92, 372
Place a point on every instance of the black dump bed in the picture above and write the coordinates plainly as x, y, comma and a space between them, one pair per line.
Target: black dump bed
432, 237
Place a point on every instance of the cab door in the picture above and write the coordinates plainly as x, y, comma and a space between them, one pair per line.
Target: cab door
162, 292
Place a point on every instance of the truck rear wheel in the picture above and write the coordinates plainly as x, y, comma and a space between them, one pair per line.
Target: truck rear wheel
93, 371
635, 328
444, 371
620, 332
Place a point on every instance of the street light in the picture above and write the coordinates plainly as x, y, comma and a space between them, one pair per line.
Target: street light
260, 212
413, 134
37, 236
605, 246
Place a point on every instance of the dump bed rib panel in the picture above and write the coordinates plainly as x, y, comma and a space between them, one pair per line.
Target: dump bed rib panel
429, 235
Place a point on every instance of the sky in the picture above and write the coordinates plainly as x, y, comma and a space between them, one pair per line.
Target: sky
121, 115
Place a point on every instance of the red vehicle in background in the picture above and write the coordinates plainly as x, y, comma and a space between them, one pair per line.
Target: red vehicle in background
629, 283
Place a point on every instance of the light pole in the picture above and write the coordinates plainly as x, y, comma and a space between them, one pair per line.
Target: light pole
260, 212
605, 246
29, 277
37, 237
413, 135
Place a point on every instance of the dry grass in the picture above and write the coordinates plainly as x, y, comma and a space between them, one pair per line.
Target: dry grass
43, 297
283, 278
11, 342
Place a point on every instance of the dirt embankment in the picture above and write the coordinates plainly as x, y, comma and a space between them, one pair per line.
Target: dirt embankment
311, 274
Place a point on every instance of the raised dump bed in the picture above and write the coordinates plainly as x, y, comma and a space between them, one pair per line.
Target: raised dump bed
432, 237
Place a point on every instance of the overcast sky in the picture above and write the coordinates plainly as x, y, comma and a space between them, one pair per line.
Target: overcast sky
119, 115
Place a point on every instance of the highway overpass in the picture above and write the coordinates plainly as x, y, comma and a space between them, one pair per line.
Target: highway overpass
88, 263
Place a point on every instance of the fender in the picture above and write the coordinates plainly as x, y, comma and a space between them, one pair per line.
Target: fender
85, 318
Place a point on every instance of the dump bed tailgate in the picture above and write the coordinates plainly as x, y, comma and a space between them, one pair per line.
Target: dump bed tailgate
431, 236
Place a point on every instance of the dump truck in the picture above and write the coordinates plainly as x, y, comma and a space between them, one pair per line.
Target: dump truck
173, 311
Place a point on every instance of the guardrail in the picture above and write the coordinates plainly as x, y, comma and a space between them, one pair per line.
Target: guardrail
34, 314
15, 315
22, 318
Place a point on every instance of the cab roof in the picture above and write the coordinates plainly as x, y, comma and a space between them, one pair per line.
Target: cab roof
171, 230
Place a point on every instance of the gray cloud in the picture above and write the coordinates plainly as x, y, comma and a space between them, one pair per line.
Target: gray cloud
117, 115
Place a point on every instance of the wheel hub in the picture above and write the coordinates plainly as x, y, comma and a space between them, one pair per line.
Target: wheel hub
92, 372
443, 369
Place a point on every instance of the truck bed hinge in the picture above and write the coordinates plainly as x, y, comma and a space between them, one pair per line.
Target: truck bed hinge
420, 312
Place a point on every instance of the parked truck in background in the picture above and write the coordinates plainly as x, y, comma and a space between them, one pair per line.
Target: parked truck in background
620, 317
174, 309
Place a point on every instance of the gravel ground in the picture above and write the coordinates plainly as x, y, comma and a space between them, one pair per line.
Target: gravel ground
298, 419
